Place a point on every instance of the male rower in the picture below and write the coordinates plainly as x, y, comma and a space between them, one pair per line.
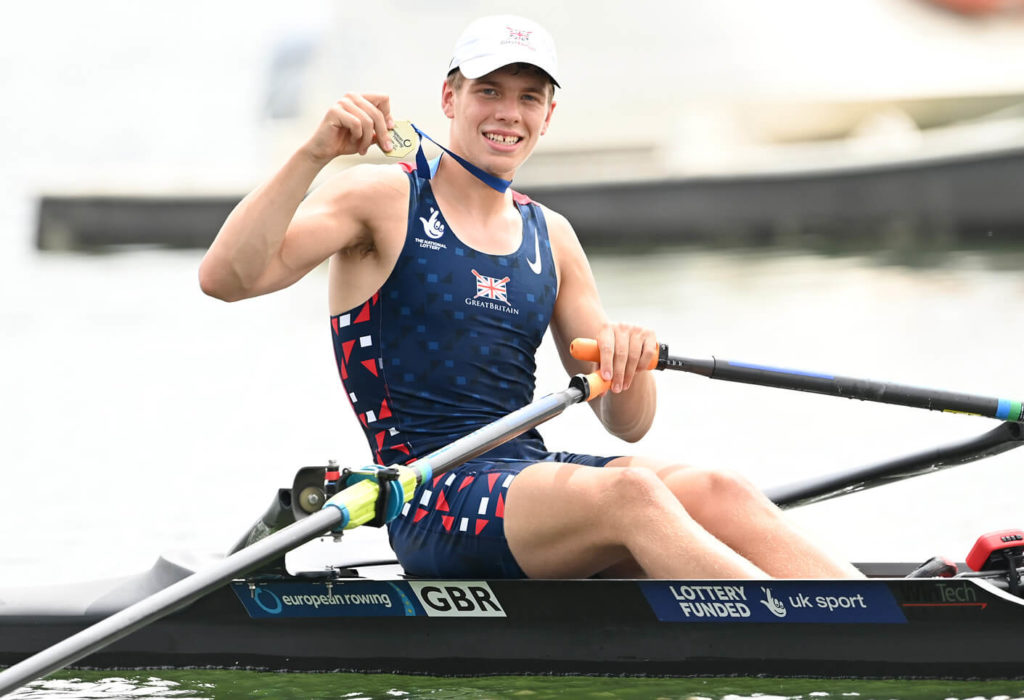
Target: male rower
441, 286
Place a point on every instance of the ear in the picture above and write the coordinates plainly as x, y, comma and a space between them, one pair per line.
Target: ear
547, 119
448, 100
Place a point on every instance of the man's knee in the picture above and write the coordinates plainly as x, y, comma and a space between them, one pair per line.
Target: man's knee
637, 487
717, 486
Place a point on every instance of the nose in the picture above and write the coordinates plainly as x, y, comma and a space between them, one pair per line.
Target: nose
507, 109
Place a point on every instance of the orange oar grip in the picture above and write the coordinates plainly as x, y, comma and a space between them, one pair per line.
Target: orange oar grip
586, 349
598, 385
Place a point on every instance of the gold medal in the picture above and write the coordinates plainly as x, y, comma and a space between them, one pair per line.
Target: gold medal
403, 140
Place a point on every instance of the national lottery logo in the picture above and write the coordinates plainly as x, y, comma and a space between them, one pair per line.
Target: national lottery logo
433, 226
775, 606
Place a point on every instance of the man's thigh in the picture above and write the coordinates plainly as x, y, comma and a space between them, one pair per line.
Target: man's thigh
556, 521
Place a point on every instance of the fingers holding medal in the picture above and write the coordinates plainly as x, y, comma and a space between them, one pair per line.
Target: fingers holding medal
404, 140
352, 125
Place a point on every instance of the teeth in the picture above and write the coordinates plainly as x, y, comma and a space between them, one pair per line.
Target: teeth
497, 138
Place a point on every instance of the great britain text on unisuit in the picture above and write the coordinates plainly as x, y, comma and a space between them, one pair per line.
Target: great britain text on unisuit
493, 306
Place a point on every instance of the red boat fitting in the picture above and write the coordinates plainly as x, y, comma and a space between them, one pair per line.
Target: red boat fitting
995, 550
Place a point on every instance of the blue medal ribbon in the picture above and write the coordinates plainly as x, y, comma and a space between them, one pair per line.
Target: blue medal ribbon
424, 171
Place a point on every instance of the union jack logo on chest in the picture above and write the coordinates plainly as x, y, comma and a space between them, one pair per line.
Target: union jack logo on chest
491, 287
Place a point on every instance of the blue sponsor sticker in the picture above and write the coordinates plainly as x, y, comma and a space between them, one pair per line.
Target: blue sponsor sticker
773, 601
319, 599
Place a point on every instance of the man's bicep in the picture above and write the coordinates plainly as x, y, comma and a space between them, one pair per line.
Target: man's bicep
309, 241
330, 219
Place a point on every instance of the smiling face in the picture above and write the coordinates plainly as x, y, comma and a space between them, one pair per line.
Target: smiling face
498, 118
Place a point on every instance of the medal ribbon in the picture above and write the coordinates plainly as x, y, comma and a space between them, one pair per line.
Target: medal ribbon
423, 167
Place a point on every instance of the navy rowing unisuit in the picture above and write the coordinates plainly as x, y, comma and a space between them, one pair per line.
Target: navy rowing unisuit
444, 347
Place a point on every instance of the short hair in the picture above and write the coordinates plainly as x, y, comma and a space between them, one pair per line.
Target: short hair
455, 78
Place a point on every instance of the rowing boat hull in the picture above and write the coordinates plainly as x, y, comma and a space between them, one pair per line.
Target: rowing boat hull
384, 622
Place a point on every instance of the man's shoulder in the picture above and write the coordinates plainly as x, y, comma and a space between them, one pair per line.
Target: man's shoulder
556, 222
551, 216
367, 179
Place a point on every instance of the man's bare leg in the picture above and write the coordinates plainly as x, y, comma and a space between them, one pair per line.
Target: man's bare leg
572, 521
737, 513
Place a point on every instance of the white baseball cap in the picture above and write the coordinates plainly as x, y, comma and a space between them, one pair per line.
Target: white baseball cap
490, 43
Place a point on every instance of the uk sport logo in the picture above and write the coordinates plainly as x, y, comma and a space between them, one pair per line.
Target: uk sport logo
491, 288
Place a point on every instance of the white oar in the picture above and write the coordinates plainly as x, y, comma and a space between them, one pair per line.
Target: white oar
349, 508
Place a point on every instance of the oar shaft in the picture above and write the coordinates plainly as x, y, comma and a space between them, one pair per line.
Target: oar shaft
353, 505
832, 385
496, 433
170, 599
1005, 436
358, 509
851, 388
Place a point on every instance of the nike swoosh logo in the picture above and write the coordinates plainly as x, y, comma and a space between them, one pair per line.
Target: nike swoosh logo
535, 264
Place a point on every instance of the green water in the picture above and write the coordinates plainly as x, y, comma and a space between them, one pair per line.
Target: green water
248, 684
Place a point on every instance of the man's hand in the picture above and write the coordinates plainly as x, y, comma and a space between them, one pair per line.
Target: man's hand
625, 349
352, 125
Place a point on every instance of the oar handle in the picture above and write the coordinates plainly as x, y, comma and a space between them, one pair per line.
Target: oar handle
593, 385
829, 384
586, 349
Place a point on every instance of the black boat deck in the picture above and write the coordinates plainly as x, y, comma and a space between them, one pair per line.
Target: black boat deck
880, 627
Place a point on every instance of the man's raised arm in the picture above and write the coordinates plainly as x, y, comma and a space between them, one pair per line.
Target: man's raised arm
264, 245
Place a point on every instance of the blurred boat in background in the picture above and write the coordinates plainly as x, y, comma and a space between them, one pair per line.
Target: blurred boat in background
886, 121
